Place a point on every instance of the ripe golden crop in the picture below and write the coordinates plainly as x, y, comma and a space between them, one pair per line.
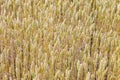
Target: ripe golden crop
59, 40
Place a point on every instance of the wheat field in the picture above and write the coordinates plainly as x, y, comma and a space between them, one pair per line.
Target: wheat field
59, 39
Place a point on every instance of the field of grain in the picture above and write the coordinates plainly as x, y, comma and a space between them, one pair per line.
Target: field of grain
59, 39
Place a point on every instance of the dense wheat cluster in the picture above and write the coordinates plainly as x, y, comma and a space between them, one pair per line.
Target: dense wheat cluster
59, 39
